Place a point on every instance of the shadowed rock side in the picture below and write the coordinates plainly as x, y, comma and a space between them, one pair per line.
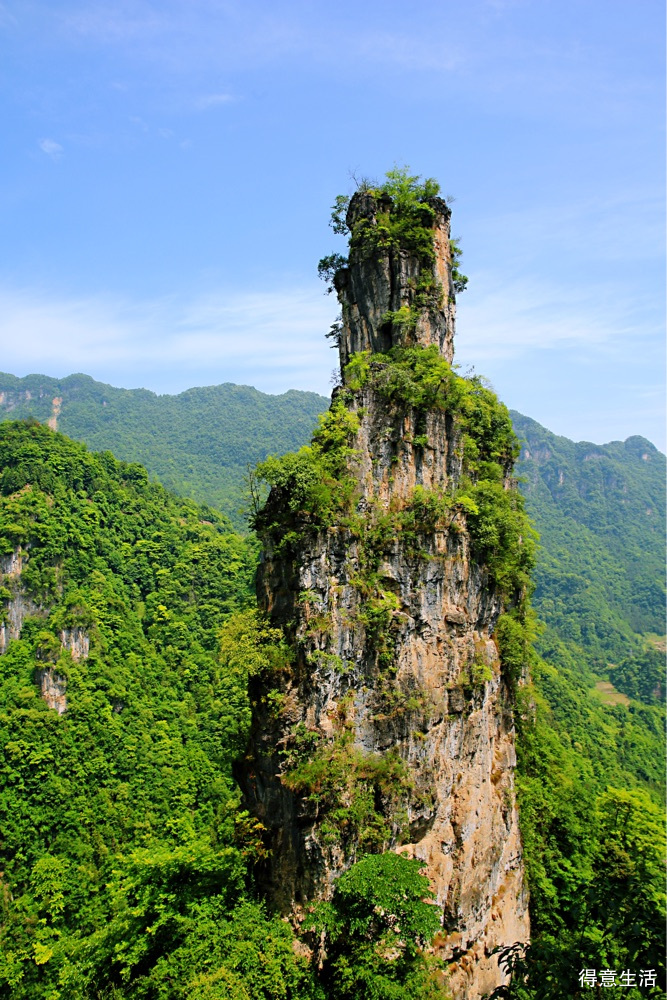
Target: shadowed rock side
395, 669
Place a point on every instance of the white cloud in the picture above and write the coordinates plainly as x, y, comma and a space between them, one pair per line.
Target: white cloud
556, 360
207, 101
274, 341
51, 148
513, 317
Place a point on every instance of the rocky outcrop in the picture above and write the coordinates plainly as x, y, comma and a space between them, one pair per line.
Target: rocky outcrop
380, 284
77, 641
53, 688
392, 727
52, 422
20, 606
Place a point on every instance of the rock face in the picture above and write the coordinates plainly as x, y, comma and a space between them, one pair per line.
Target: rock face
77, 641
377, 285
18, 607
392, 729
53, 688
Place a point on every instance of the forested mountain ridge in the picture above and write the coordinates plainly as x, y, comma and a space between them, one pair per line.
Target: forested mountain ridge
616, 492
198, 443
599, 510
584, 744
125, 853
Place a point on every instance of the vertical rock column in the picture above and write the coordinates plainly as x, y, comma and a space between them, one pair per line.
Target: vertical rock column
392, 727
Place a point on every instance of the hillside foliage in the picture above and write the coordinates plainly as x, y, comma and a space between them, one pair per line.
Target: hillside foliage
199, 443
115, 549
127, 859
590, 776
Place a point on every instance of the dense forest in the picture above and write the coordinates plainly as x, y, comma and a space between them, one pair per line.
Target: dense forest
199, 443
127, 858
590, 735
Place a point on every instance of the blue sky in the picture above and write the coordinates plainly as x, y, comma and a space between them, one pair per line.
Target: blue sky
169, 167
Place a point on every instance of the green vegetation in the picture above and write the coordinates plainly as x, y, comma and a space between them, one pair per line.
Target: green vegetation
641, 676
379, 918
127, 862
77, 805
199, 443
591, 775
597, 875
357, 792
120, 820
404, 222
599, 512
314, 489
126, 859
418, 378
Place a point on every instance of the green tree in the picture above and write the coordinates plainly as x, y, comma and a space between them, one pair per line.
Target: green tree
376, 926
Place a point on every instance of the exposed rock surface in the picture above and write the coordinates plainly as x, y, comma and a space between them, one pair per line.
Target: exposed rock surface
374, 286
17, 609
52, 422
77, 641
19, 606
53, 688
453, 732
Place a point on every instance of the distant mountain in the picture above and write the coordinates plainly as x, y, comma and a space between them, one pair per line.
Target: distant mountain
198, 443
613, 497
598, 508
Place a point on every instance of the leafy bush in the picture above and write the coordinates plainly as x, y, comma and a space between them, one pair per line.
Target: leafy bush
376, 926
313, 486
358, 792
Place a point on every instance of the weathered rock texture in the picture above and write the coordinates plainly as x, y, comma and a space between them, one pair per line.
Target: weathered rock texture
375, 286
53, 688
458, 811
19, 607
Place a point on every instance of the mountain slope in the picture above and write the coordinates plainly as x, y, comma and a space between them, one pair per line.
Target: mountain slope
599, 578
106, 808
198, 443
615, 495
123, 846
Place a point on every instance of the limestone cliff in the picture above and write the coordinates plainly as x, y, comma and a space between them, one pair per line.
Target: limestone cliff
18, 607
392, 550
